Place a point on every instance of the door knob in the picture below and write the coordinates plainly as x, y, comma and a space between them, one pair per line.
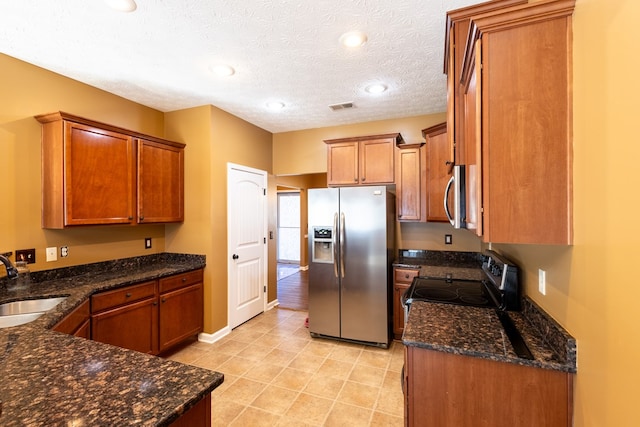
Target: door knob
235, 256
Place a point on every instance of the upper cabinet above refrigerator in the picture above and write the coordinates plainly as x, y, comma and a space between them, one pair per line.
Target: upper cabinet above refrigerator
363, 160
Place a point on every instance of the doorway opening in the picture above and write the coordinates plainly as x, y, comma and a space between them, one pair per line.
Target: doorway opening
288, 229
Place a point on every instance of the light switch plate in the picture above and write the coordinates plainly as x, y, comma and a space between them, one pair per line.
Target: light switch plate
52, 254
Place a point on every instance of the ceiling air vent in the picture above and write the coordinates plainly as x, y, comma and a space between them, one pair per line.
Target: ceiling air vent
343, 106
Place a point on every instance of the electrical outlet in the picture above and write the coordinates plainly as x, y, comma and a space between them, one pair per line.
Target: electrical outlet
448, 239
64, 251
147, 243
28, 255
542, 281
52, 254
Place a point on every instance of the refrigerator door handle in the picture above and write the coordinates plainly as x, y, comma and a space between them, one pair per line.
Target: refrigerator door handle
334, 243
342, 245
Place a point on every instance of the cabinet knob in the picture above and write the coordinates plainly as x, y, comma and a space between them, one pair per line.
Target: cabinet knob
130, 218
406, 276
184, 279
355, 179
155, 303
364, 179
142, 218
128, 295
164, 300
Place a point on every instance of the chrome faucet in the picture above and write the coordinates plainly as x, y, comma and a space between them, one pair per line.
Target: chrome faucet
12, 272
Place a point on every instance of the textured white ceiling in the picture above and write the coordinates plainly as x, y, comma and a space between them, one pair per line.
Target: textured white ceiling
284, 50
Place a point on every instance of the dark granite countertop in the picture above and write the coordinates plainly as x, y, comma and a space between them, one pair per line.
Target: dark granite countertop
457, 265
477, 332
50, 378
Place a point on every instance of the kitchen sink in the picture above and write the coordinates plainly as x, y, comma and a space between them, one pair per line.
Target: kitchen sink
18, 319
29, 306
24, 311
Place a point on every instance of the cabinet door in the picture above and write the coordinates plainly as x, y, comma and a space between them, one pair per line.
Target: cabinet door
75, 323
99, 173
437, 147
410, 184
526, 124
132, 326
473, 150
377, 161
342, 163
181, 315
160, 182
398, 311
402, 278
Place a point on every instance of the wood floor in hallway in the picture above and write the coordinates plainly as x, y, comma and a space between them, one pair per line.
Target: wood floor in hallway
293, 288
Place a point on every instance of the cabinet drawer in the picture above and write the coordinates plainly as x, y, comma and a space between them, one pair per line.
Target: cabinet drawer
178, 281
126, 295
404, 275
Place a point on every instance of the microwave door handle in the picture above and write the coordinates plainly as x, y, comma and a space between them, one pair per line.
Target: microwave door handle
334, 244
446, 200
342, 245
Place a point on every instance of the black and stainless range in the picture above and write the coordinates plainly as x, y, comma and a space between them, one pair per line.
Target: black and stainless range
500, 289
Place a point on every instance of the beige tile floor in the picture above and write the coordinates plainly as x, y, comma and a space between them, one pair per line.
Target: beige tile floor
277, 375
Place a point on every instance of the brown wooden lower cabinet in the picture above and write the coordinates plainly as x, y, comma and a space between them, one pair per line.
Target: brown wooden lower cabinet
133, 326
446, 389
77, 322
197, 416
181, 310
402, 278
150, 317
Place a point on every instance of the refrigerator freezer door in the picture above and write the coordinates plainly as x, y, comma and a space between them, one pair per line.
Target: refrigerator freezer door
324, 285
364, 288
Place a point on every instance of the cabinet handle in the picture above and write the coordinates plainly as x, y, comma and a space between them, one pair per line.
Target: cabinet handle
128, 295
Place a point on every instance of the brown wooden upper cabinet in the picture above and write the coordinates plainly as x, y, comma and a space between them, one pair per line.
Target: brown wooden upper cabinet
366, 160
516, 82
94, 173
438, 167
457, 29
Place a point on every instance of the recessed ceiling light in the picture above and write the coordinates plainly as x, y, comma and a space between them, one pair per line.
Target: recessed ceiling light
223, 70
275, 105
376, 88
122, 5
353, 39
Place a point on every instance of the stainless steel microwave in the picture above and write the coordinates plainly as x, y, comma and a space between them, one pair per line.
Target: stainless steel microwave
456, 185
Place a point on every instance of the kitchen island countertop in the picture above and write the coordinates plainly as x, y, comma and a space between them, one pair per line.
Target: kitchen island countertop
50, 378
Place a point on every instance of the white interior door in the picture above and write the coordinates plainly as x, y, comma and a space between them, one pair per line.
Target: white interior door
247, 249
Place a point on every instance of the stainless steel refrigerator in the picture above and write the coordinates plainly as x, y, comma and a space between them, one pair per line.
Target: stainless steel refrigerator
351, 248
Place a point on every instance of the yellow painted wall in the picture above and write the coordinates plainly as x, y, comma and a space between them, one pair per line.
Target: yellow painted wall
304, 151
592, 287
26, 91
214, 138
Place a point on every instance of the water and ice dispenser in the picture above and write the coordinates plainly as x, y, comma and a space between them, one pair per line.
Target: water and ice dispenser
322, 248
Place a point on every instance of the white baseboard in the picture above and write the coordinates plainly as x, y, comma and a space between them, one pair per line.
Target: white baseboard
272, 304
211, 338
